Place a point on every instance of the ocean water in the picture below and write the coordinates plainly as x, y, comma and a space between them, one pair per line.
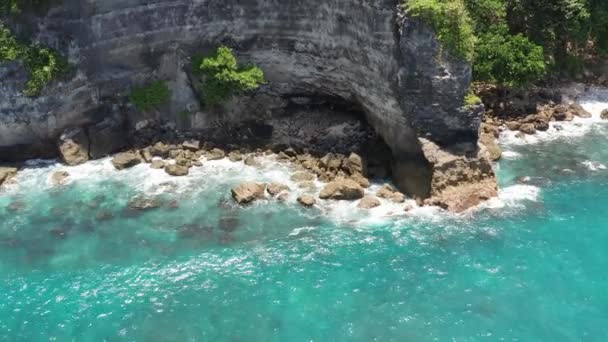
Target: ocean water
77, 264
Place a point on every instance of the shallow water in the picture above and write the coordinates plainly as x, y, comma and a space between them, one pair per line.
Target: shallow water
78, 264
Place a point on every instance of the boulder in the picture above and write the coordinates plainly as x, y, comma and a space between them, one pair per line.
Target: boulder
106, 137
160, 149
489, 142
248, 192
342, 189
191, 145
235, 156
252, 161
74, 146
331, 161
157, 164
390, 193
364, 182
302, 177
527, 129
561, 113
276, 188
604, 114
307, 200
7, 173
541, 126
368, 202
177, 170
59, 177
579, 111
146, 155
183, 161
215, 154
356, 165
126, 160
513, 125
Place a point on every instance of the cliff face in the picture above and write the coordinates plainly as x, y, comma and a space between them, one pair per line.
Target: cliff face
359, 51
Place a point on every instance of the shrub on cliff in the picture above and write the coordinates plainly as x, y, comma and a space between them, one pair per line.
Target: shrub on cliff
450, 21
150, 96
222, 76
42, 63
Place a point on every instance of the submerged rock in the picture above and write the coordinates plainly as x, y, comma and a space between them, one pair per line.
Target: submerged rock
248, 192
368, 202
177, 170
307, 200
126, 160
342, 189
143, 203
59, 177
74, 146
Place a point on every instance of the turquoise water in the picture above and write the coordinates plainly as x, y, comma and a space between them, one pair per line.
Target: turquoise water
78, 264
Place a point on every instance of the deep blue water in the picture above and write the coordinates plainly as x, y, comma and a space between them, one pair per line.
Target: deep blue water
77, 264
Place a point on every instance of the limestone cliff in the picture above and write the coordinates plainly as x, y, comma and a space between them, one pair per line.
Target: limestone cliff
363, 52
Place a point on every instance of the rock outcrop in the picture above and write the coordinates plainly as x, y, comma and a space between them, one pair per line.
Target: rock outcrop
366, 54
74, 146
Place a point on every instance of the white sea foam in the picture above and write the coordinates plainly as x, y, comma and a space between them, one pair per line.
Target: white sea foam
511, 155
513, 196
594, 100
593, 165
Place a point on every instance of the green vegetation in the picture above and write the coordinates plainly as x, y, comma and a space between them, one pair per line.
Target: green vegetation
515, 43
222, 77
471, 99
151, 96
42, 63
451, 23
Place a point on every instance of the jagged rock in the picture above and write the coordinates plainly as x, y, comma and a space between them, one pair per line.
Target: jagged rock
488, 129
604, 114
364, 182
579, 111
356, 165
302, 177
74, 146
176, 170
59, 177
248, 192
489, 142
157, 164
126, 160
191, 145
342, 189
458, 182
252, 161
176, 153
235, 156
7, 173
215, 154
368, 202
307, 200
276, 188
527, 129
